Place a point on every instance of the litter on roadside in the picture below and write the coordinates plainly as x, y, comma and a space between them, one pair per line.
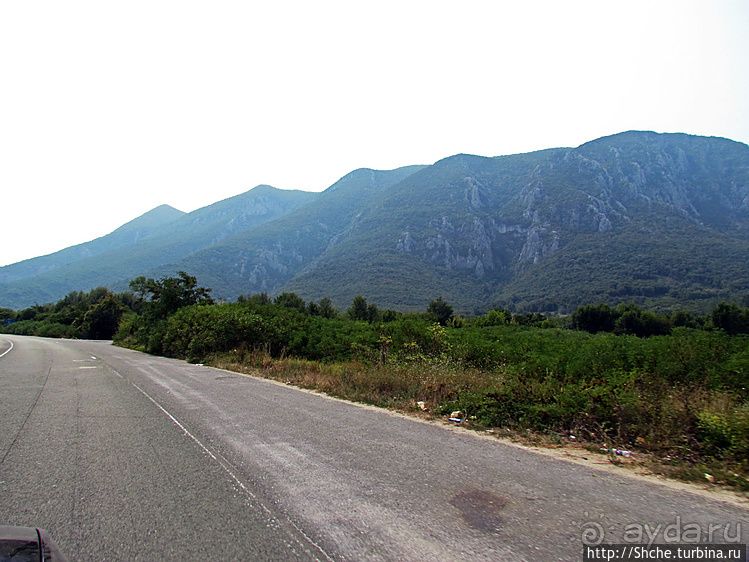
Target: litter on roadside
617, 452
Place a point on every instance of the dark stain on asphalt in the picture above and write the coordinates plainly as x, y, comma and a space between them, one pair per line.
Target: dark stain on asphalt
480, 509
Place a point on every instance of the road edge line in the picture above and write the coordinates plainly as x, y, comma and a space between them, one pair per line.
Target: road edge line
226, 465
7, 350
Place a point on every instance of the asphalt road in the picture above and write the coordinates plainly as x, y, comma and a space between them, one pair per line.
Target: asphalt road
120, 455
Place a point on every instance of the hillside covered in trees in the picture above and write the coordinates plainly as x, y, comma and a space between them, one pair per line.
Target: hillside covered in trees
661, 220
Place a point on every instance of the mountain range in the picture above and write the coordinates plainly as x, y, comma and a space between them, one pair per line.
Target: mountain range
657, 219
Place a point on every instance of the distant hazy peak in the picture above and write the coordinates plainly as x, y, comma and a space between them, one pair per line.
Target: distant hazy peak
166, 209
157, 216
375, 177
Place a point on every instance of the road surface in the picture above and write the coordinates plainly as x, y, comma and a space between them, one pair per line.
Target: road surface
120, 455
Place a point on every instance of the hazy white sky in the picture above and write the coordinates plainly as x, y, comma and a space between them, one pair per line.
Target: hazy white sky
108, 109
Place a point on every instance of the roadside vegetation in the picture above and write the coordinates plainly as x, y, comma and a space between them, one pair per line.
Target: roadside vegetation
667, 387
92, 315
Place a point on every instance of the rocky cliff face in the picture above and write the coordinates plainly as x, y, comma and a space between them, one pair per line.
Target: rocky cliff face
703, 179
595, 188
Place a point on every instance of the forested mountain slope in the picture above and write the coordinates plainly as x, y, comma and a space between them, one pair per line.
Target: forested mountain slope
263, 259
146, 243
658, 219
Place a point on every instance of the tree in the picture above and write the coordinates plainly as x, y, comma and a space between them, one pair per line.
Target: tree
390, 316
358, 309
731, 318
594, 318
495, 317
259, 299
684, 318
440, 311
290, 300
373, 314
641, 323
101, 320
168, 294
326, 308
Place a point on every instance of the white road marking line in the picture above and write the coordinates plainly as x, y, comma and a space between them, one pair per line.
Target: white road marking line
221, 460
7, 350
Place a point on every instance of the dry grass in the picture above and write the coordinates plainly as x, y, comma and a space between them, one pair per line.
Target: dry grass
402, 386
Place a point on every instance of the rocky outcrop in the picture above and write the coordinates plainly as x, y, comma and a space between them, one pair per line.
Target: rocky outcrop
593, 189
539, 243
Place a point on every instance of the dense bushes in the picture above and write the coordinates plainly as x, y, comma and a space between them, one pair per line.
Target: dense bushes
196, 331
630, 319
93, 315
662, 392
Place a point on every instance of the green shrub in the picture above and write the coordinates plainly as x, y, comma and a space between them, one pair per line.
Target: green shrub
725, 433
195, 331
56, 330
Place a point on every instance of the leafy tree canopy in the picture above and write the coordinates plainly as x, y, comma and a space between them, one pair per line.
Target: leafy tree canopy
101, 321
167, 295
440, 311
731, 318
290, 300
358, 309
